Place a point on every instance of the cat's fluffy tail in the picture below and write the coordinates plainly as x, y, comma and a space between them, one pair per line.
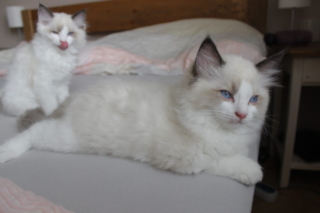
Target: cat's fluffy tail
29, 118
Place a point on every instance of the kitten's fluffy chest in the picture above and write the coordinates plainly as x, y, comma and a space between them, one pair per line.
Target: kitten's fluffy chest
51, 61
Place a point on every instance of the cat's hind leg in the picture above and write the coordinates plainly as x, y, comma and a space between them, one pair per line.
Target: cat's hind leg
53, 135
14, 147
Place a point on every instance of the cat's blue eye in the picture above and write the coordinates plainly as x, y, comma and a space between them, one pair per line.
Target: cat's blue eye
226, 94
70, 33
254, 99
55, 32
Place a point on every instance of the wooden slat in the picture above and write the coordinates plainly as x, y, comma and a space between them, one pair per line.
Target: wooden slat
28, 24
298, 163
292, 117
311, 71
310, 50
121, 15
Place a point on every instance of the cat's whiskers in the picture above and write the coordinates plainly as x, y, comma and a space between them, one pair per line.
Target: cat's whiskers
265, 128
223, 113
221, 116
266, 117
250, 127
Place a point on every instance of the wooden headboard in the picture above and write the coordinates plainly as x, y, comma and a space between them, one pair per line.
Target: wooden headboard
118, 15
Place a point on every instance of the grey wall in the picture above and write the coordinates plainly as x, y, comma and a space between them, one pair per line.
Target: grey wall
277, 19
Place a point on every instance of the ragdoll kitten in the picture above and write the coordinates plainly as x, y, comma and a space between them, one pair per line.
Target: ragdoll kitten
204, 123
40, 71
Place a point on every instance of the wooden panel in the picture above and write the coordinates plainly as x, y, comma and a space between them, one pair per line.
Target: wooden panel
121, 15
311, 73
257, 14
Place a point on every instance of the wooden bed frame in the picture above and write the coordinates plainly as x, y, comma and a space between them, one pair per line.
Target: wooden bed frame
119, 15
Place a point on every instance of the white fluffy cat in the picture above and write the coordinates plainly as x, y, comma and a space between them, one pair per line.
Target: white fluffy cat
203, 123
40, 71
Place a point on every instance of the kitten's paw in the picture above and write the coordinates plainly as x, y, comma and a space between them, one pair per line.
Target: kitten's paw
49, 107
62, 95
6, 154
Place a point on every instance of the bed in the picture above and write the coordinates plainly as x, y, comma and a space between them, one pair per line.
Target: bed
54, 182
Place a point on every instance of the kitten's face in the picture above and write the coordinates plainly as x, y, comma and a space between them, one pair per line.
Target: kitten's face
232, 90
61, 29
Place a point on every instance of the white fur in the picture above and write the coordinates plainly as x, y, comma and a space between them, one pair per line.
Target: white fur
183, 127
40, 72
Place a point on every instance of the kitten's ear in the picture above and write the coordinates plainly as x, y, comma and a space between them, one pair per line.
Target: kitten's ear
207, 59
44, 15
271, 66
79, 19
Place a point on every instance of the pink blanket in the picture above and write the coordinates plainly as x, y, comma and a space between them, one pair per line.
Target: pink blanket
13, 199
103, 59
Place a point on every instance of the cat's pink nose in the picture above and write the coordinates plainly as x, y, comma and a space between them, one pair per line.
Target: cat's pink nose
63, 45
241, 115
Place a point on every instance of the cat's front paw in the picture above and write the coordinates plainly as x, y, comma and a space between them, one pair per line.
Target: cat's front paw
250, 177
249, 172
239, 168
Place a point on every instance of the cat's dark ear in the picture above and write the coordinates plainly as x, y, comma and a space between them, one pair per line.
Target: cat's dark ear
208, 58
44, 15
271, 66
79, 19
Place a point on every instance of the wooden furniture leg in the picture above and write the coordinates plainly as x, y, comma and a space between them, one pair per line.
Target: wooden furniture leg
294, 100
